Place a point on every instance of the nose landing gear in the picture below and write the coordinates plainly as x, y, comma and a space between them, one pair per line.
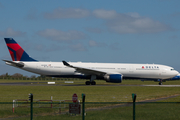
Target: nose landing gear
160, 82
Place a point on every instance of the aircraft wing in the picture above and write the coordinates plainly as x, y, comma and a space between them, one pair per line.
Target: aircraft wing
19, 64
86, 70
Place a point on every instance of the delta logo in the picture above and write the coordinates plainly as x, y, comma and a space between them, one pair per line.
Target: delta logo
150, 67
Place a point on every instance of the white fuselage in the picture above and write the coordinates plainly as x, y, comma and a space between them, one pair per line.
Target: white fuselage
142, 71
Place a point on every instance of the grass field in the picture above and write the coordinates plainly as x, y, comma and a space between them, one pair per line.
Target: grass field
102, 92
108, 93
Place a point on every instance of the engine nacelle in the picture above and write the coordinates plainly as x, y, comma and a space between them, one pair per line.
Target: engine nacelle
114, 78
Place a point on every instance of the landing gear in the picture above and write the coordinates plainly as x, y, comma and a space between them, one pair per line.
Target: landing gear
160, 82
88, 82
91, 82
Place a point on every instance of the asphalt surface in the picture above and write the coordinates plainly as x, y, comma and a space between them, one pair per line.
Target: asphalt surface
74, 84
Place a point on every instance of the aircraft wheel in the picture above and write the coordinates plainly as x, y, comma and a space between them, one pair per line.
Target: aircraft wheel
160, 83
87, 82
93, 83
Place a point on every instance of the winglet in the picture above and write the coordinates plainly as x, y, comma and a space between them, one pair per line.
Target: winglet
65, 63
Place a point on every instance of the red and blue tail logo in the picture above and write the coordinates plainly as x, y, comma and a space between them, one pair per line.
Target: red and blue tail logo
16, 52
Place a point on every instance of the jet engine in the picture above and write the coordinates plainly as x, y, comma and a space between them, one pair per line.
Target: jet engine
114, 78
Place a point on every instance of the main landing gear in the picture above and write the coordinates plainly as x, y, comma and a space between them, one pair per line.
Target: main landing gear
91, 82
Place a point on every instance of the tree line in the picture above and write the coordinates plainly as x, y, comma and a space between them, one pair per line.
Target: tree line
19, 76
16, 75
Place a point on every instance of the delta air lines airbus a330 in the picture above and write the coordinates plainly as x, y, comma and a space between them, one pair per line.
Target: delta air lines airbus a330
111, 72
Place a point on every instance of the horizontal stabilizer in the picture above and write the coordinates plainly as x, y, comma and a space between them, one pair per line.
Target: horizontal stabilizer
19, 64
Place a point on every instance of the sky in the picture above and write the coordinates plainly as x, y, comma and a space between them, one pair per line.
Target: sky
106, 31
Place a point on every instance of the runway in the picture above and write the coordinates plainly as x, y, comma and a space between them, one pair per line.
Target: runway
74, 84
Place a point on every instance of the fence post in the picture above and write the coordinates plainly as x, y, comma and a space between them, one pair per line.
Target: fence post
134, 102
13, 105
51, 101
83, 107
31, 101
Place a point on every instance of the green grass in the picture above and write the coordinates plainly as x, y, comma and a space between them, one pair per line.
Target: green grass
151, 111
93, 93
107, 93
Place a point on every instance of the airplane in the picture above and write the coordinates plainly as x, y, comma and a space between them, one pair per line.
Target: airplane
110, 72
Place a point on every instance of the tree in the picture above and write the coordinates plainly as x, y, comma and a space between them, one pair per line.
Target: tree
3, 75
33, 76
7, 75
17, 75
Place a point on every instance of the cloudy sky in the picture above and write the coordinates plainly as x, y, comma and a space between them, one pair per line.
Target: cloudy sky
118, 31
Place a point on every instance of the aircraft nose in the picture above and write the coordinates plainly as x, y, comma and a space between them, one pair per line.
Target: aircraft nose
176, 72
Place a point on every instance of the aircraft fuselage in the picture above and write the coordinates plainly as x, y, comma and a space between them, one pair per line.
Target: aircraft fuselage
140, 71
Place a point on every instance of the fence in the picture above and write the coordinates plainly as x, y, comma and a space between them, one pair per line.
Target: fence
93, 110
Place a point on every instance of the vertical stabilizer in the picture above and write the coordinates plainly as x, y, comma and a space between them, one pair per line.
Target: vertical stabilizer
16, 52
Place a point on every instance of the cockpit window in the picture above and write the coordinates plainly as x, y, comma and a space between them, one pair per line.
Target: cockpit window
172, 69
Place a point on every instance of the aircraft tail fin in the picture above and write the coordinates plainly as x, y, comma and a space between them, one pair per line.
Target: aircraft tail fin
16, 52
